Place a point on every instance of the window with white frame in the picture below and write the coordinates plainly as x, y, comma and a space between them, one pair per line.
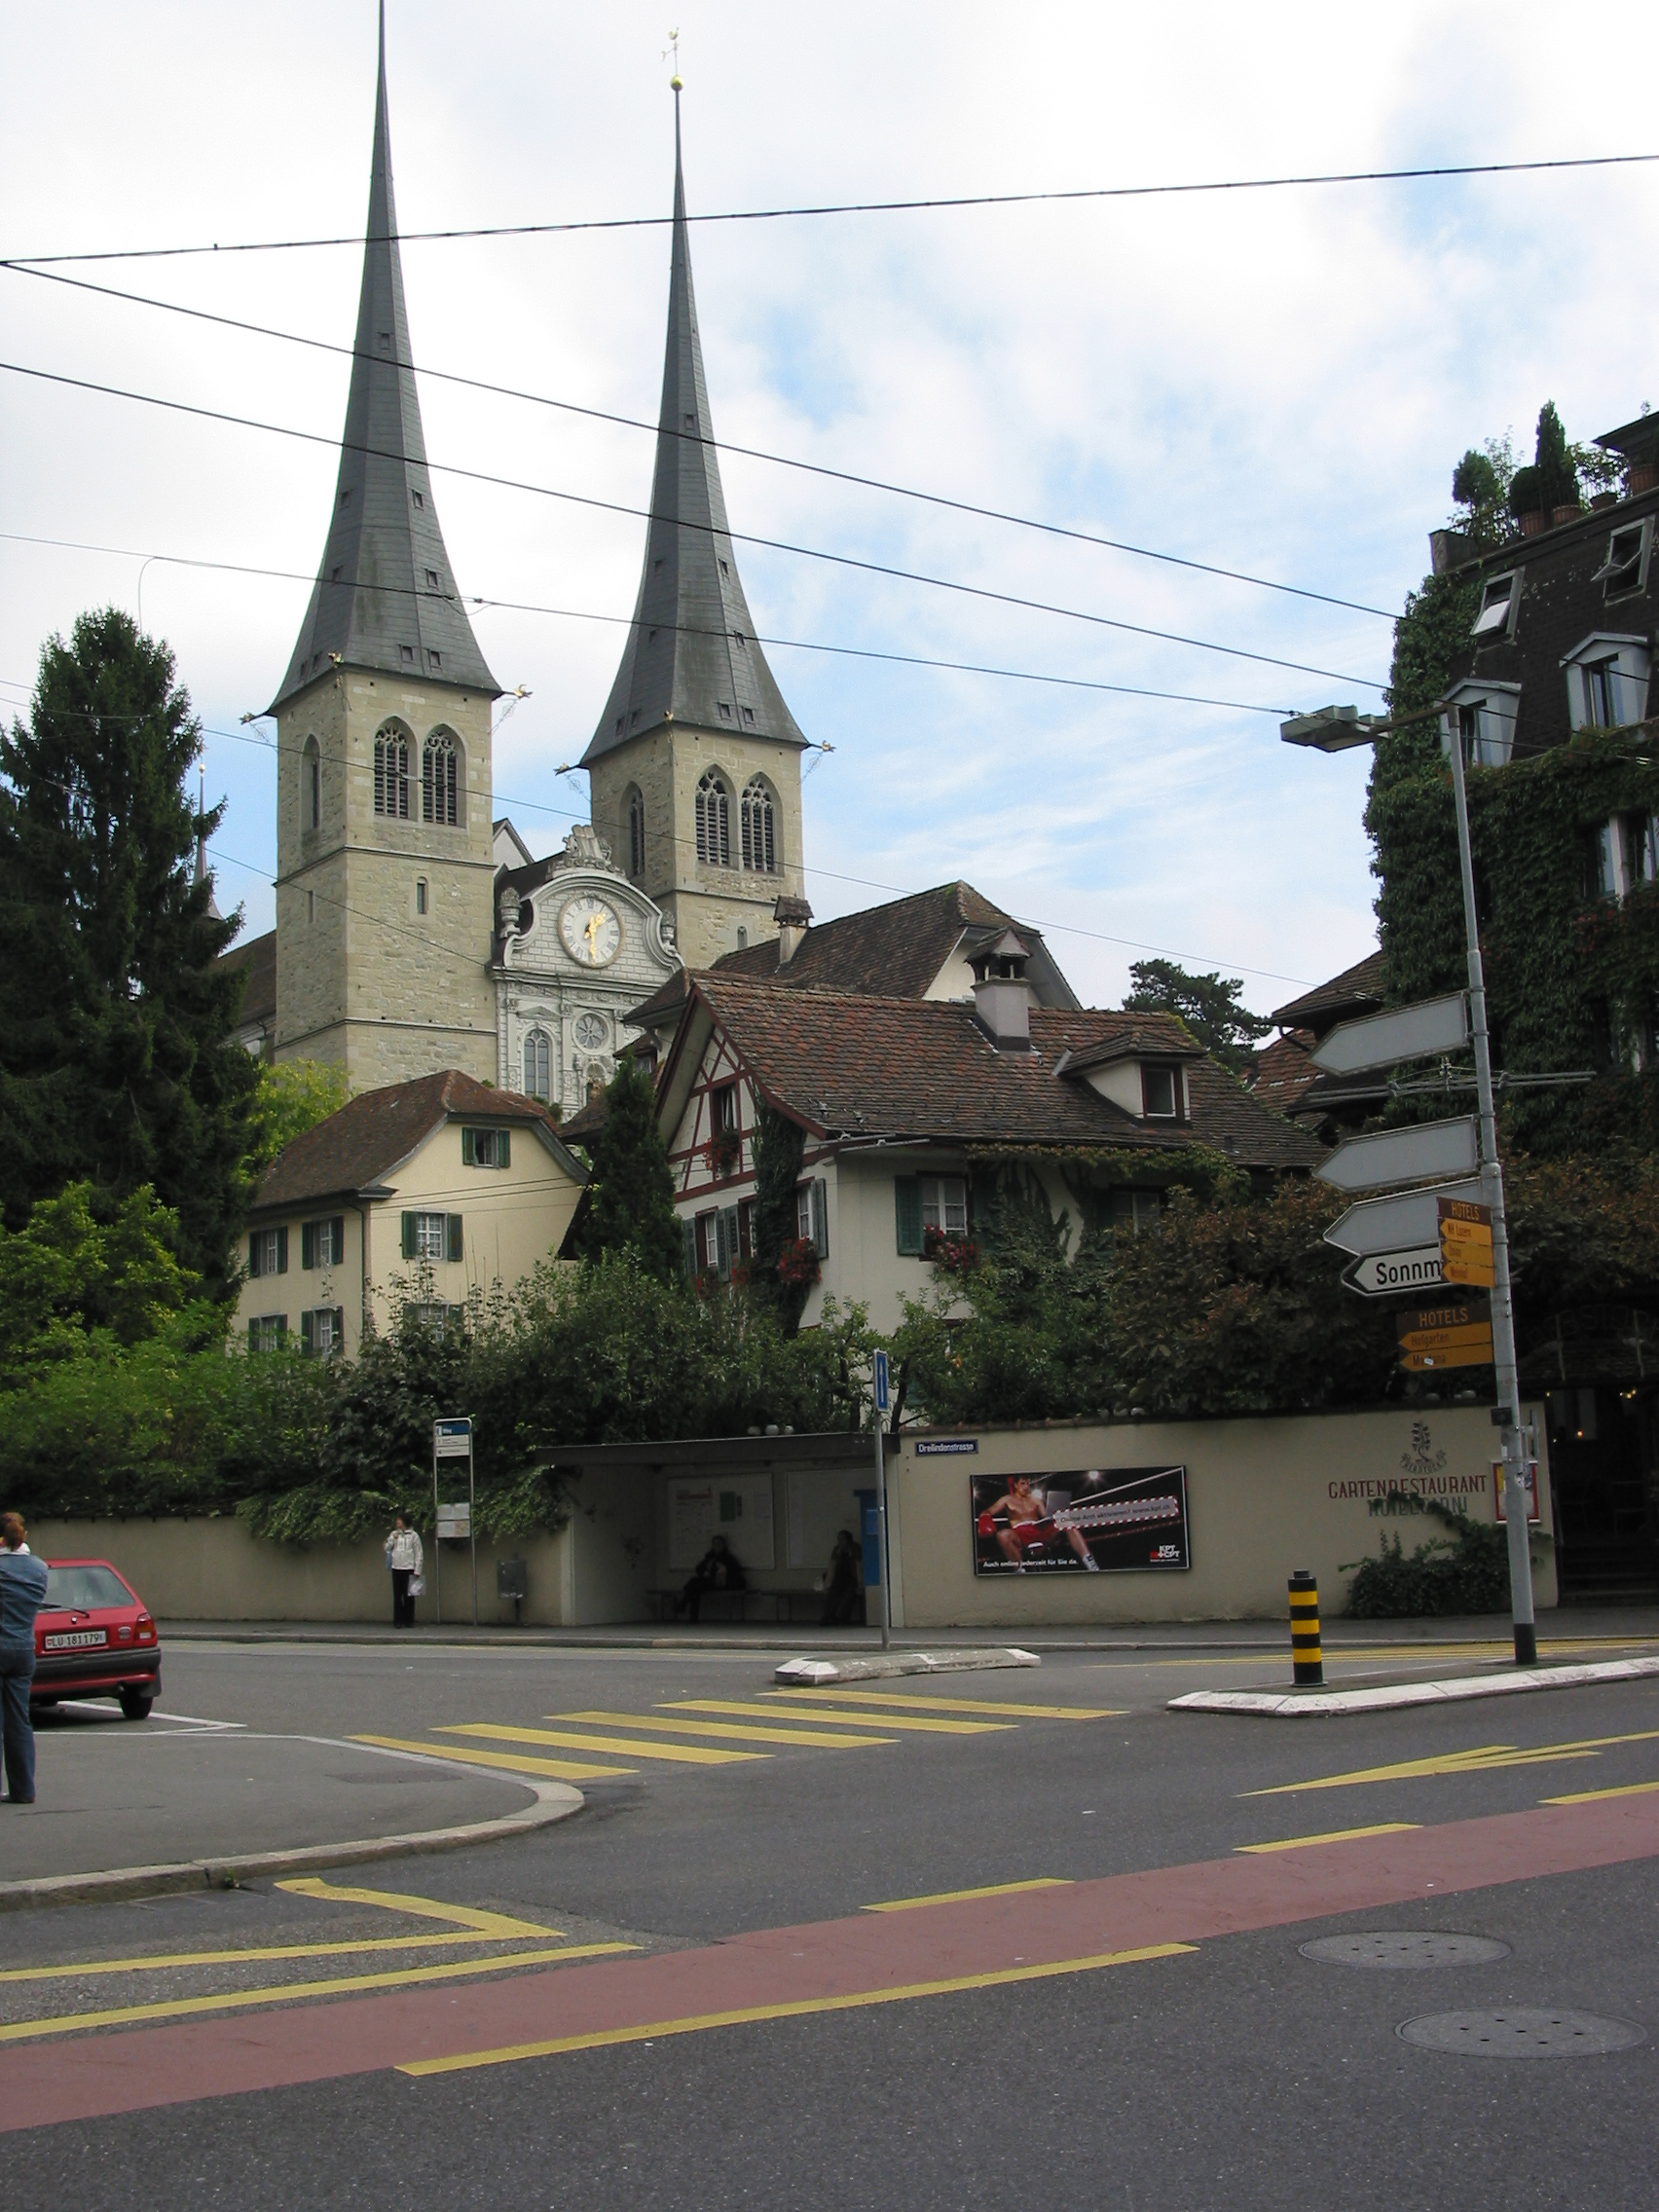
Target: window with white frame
537, 1065
1133, 1211
1498, 602
322, 1331
1625, 567
486, 1148
1482, 716
432, 1236
1160, 1093
1641, 849
268, 1252
1600, 845
714, 819
323, 1243
391, 774
944, 1204
266, 1332
1606, 680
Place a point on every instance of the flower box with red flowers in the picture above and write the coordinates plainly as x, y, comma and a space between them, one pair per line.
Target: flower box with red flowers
798, 1263
956, 1255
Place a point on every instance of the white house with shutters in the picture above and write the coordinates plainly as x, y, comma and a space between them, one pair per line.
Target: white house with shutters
422, 1191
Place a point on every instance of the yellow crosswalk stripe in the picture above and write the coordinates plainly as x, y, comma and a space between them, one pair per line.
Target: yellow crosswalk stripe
909, 1720
735, 1731
962, 1896
498, 1924
1011, 1706
1333, 1835
155, 1961
1594, 1796
290, 1992
514, 1762
566, 1739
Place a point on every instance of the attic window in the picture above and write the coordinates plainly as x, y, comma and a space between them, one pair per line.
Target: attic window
434, 658
621, 723
691, 422
1160, 1094
634, 719
738, 637
334, 572
432, 578
406, 654
385, 341
725, 571
658, 562
651, 638
1624, 568
346, 496
726, 712
748, 716
1497, 603
419, 497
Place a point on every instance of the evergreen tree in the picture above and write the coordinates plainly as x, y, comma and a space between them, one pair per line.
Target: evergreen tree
630, 1200
118, 1062
1210, 1008
1558, 477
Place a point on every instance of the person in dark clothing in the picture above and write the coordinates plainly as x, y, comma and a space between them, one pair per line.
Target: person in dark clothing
843, 1585
22, 1593
719, 1569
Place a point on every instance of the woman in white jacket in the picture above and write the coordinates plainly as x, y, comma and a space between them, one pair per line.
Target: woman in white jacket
403, 1555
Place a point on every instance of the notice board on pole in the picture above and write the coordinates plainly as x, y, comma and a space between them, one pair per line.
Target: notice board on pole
737, 1507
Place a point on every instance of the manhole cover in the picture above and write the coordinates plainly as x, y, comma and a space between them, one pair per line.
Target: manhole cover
1519, 2033
1405, 1948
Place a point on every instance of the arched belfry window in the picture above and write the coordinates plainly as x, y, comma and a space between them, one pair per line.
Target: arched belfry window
760, 831
636, 831
392, 773
536, 1064
310, 785
438, 793
714, 819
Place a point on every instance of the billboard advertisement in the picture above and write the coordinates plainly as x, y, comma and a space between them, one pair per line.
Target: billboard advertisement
1091, 1521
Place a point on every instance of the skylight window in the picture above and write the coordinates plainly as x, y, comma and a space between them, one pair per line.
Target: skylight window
1497, 605
1626, 564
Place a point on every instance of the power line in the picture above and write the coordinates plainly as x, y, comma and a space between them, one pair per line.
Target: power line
858, 208
738, 537
681, 629
719, 445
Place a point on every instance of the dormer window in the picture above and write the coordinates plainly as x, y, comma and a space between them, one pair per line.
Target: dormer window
1482, 716
1625, 567
1160, 1093
1606, 680
1498, 602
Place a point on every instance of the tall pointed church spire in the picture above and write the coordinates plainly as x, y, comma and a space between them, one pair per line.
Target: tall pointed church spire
692, 655
386, 595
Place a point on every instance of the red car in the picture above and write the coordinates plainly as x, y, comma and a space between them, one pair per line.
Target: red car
94, 1639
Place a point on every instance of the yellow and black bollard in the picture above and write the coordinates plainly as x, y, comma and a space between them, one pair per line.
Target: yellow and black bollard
1306, 1654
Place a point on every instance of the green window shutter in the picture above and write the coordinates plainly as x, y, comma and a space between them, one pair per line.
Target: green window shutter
306, 1331
307, 1244
470, 1148
253, 1335
337, 1239
690, 1232
282, 1250
504, 1148
409, 1236
454, 1240
820, 1219
340, 1329
908, 1212
281, 1328
253, 1254
727, 1241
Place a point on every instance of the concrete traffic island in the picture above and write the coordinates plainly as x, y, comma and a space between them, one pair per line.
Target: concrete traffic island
819, 1673
130, 1809
1479, 1682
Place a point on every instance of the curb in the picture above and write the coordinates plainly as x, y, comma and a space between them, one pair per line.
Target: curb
1279, 1706
554, 1801
817, 1673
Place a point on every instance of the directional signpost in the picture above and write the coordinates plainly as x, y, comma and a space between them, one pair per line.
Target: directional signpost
1404, 1032
1427, 1153
880, 1391
1409, 1221
1452, 1332
1465, 1243
1385, 1275
453, 1440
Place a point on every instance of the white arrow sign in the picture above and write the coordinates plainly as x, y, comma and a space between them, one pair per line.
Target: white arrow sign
1403, 1033
1423, 1153
1385, 1275
1407, 1223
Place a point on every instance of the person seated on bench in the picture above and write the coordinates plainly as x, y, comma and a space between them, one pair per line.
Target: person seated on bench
719, 1569
842, 1585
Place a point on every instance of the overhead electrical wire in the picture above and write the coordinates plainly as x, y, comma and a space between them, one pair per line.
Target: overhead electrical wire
738, 537
934, 203
719, 445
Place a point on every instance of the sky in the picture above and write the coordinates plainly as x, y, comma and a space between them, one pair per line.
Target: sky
1278, 382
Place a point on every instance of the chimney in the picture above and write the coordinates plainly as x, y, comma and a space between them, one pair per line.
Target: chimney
793, 916
1002, 997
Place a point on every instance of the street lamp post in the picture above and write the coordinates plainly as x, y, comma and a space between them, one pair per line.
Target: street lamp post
1334, 730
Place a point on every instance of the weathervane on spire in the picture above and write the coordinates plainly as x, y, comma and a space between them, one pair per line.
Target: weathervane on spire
672, 47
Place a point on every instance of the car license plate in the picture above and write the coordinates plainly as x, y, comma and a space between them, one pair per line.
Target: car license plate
77, 1638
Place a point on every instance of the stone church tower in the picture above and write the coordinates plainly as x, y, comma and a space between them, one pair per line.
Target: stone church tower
695, 765
383, 867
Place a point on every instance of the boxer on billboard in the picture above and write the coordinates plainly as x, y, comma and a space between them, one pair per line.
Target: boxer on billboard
1101, 1520
1029, 1527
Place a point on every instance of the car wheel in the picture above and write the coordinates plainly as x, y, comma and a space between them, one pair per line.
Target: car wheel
135, 1705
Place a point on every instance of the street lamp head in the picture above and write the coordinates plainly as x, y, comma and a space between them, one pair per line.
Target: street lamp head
1332, 729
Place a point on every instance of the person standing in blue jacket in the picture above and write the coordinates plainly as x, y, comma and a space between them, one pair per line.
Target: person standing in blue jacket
22, 1593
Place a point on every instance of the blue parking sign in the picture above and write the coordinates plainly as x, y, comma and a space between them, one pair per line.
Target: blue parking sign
881, 1382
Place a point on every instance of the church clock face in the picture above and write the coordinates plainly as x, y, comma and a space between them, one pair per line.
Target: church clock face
590, 931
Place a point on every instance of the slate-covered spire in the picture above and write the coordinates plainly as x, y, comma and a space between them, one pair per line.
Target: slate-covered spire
692, 655
386, 595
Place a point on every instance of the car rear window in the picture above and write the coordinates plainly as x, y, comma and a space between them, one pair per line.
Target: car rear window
79, 1589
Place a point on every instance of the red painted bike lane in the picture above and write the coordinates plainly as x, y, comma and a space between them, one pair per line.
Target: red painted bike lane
867, 1959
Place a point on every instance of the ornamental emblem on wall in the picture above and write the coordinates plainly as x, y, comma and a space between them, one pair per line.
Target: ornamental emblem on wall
1423, 1458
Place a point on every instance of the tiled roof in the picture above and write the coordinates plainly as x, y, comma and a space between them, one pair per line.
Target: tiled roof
924, 1069
894, 951
1282, 1072
371, 1134
1354, 991
258, 956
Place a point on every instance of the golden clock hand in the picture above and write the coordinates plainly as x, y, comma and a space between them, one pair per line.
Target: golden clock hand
591, 933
